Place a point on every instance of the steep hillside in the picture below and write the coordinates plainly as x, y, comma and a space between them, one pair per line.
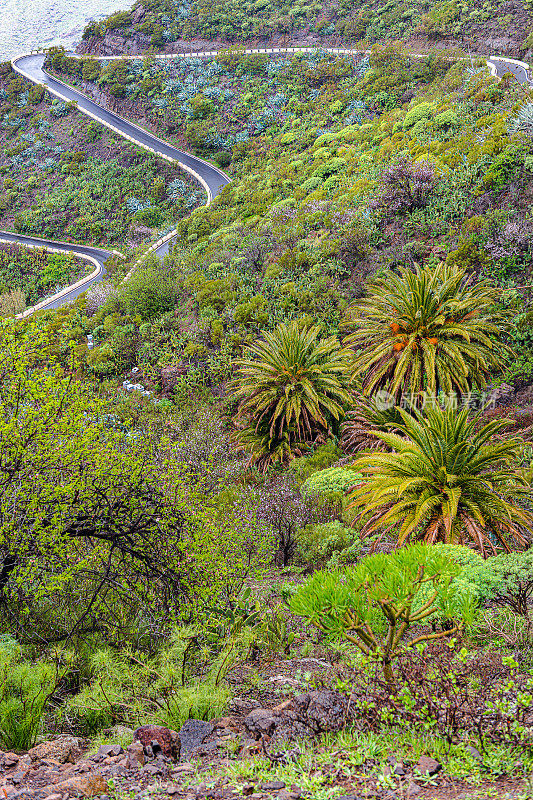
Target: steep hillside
68, 178
493, 26
341, 167
266, 508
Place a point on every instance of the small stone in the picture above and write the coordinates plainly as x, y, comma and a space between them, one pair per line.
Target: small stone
172, 789
109, 750
428, 766
10, 759
284, 680
64, 748
272, 785
243, 706
135, 756
226, 724
17, 777
152, 769
474, 752
413, 790
117, 769
192, 735
185, 766
86, 785
261, 721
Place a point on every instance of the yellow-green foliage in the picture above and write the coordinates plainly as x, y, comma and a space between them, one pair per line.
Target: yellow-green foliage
421, 111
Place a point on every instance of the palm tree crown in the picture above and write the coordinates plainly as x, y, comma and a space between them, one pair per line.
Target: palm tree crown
362, 423
431, 329
291, 385
444, 481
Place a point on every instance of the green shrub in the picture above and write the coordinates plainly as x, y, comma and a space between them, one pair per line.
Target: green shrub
331, 183
101, 360
374, 604
506, 579
320, 459
504, 168
447, 119
331, 167
334, 479
132, 689
315, 544
150, 291
217, 293
149, 216
311, 184
421, 111
464, 557
91, 69
222, 158
25, 689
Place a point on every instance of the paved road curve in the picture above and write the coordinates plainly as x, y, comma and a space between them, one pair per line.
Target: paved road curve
212, 179
516, 68
96, 255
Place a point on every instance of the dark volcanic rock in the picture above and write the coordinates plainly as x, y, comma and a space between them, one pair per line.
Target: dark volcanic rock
166, 741
322, 710
262, 721
428, 766
109, 750
304, 716
192, 735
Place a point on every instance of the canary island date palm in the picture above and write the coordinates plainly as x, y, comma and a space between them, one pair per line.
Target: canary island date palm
431, 329
290, 386
364, 420
446, 480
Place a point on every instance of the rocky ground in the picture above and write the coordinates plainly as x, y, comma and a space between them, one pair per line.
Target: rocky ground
263, 749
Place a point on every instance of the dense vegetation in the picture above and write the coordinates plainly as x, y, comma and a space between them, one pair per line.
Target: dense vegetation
307, 384
69, 179
390, 162
27, 276
158, 23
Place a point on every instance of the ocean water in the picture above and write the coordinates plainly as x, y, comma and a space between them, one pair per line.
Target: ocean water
28, 24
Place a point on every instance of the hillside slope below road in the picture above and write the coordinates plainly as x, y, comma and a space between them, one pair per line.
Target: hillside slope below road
213, 179
95, 253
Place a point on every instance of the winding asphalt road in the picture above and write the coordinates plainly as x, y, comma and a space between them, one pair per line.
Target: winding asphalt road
517, 68
210, 177
96, 255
